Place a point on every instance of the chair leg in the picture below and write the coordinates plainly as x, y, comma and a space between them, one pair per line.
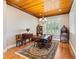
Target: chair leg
21, 42
24, 41
16, 43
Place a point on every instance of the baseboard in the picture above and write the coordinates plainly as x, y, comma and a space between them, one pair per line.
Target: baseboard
4, 50
72, 48
56, 39
11, 46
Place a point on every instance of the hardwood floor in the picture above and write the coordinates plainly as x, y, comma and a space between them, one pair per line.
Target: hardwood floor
64, 51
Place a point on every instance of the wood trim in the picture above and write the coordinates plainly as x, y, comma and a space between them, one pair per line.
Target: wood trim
71, 6
10, 46
74, 52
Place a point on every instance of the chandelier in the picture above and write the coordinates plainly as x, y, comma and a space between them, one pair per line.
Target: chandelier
42, 19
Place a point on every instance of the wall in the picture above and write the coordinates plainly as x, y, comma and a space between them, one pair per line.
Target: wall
72, 26
4, 33
16, 21
61, 19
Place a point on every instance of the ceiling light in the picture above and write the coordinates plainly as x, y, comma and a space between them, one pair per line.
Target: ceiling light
40, 19
17, 0
45, 19
59, 10
40, 14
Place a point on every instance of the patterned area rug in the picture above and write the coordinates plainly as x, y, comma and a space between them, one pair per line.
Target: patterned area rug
32, 52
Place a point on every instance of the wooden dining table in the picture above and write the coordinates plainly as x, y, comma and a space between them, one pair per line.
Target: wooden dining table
44, 39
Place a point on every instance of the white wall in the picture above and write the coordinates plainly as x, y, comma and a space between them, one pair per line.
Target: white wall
61, 19
16, 21
72, 26
5, 31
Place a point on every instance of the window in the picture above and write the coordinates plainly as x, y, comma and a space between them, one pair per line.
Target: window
52, 27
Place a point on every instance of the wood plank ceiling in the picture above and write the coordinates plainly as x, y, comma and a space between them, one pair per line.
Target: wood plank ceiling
41, 8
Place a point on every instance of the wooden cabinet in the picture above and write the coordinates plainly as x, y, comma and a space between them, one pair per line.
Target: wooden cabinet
39, 30
64, 36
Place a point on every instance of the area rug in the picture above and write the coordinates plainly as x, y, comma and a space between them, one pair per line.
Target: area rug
32, 52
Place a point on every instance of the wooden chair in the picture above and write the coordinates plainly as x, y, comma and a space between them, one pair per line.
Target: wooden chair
24, 37
44, 42
18, 40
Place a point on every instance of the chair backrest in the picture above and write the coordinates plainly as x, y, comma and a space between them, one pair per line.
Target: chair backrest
50, 39
24, 36
18, 36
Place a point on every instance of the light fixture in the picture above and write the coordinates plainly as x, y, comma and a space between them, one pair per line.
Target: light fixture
17, 0
45, 19
42, 19
59, 10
